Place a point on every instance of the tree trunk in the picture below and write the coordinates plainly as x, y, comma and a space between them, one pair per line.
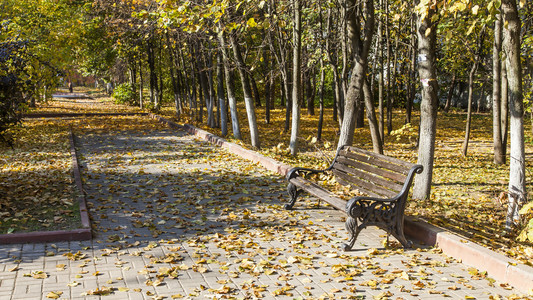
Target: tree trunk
211, 116
160, 73
389, 98
360, 113
230, 88
427, 35
469, 109
339, 96
412, 76
338, 105
471, 75
323, 50
210, 104
269, 78
505, 107
360, 49
173, 77
268, 105
517, 171
296, 77
133, 78
480, 98
377, 144
185, 80
310, 92
321, 100
193, 97
200, 111
247, 91
257, 97
379, 44
221, 99
288, 102
153, 76
141, 84
450, 93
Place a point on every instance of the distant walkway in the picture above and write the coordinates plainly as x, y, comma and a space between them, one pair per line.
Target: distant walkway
176, 217
72, 96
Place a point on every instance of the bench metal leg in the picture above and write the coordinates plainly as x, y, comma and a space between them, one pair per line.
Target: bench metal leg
398, 234
354, 230
294, 192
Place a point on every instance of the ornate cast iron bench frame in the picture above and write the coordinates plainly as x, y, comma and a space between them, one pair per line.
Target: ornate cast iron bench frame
385, 181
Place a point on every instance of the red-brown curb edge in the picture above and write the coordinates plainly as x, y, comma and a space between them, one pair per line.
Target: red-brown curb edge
497, 266
80, 234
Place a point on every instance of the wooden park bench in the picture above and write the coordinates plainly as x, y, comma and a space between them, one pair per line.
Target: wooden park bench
385, 181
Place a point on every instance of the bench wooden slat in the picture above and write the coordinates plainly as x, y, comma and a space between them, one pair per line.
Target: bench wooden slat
365, 185
317, 191
360, 189
369, 176
374, 161
397, 161
399, 177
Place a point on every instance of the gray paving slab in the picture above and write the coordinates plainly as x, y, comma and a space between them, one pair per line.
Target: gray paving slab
176, 217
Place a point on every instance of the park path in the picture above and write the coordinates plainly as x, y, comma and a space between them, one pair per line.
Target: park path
178, 218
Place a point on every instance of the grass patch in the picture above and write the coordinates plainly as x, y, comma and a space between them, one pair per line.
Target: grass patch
36, 187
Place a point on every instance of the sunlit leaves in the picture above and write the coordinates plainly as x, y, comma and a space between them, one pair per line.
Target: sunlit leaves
54, 295
37, 275
37, 190
103, 291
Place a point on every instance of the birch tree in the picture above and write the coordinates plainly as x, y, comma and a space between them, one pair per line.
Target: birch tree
427, 35
511, 47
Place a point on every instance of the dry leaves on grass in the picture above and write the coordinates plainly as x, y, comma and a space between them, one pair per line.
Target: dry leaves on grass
36, 186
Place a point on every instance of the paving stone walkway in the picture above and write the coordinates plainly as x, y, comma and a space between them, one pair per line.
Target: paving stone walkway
178, 218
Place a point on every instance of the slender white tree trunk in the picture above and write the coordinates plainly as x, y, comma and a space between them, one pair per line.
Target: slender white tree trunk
511, 47
247, 91
296, 75
499, 157
426, 31
230, 88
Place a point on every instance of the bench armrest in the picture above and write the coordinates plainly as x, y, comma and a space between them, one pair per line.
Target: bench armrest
416, 169
295, 172
353, 206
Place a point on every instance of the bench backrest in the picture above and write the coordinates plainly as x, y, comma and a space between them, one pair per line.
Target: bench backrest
373, 174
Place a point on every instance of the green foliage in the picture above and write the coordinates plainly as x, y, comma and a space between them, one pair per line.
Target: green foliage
12, 64
123, 94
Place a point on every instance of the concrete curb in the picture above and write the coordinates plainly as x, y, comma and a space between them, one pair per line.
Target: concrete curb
267, 162
81, 234
497, 266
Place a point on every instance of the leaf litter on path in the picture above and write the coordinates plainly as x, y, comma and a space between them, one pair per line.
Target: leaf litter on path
196, 221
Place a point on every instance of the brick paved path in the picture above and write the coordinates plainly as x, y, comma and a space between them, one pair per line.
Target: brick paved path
178, 218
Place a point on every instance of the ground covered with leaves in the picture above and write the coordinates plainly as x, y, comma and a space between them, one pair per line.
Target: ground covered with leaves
177, 218
467, 191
